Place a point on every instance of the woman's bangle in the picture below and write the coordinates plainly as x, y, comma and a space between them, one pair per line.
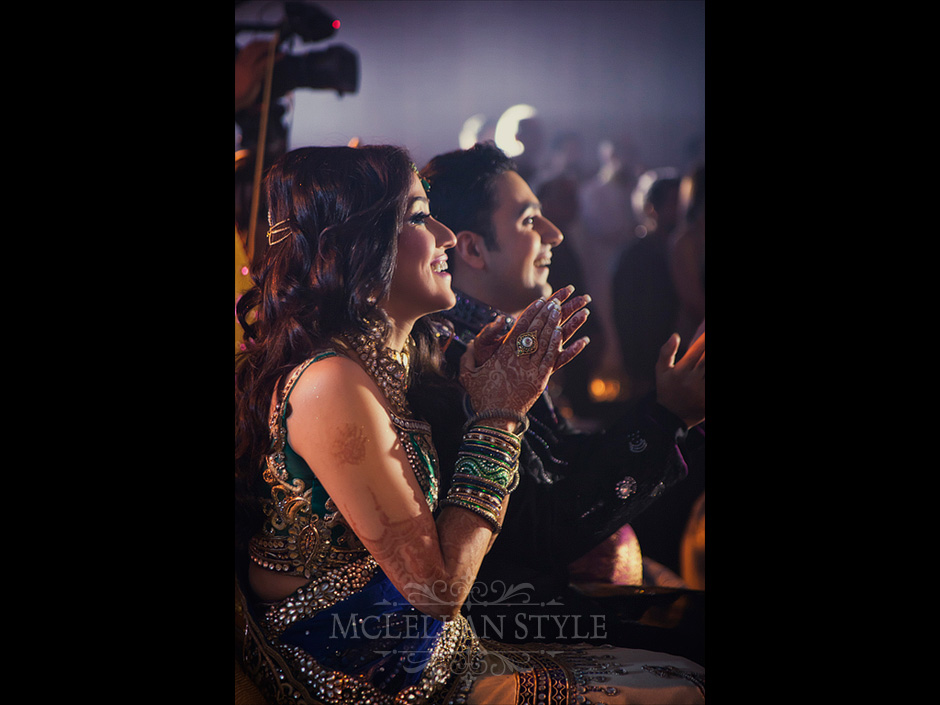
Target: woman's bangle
486, 471
481, 496
508, 414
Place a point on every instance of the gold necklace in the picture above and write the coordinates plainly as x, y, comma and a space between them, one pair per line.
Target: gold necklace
388, 368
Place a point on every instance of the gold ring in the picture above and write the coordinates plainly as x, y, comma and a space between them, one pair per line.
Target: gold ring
527, 343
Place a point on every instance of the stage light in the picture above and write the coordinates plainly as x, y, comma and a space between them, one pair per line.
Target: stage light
470, 131
335, 24
508, 125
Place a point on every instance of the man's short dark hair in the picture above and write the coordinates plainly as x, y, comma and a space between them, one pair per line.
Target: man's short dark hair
463, 188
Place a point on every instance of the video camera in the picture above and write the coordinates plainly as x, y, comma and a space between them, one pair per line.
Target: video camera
336, 67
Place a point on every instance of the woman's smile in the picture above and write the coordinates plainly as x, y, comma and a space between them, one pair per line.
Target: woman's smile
439, 267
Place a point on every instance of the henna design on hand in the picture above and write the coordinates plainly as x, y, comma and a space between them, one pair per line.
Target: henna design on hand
496, 377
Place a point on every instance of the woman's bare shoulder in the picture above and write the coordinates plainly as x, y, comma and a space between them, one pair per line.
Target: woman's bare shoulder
334, 390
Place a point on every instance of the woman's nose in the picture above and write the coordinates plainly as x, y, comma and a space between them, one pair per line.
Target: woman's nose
445, 236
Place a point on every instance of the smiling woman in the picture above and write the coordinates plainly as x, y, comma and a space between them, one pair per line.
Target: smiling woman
420, 283
336, 481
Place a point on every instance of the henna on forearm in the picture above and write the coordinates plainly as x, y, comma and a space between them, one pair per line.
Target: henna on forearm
433, 565
465, 540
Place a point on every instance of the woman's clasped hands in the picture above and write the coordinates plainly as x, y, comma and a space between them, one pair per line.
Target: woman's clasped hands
511, 370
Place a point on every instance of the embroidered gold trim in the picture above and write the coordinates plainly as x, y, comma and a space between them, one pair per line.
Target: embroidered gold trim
296, 541
326, 590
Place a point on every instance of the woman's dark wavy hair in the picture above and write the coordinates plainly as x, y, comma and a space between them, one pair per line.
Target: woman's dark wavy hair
346, 207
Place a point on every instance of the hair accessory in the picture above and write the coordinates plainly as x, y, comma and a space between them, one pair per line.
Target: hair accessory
278, 231
424, 182
527, 343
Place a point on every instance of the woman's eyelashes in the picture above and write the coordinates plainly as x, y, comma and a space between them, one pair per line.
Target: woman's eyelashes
419, 218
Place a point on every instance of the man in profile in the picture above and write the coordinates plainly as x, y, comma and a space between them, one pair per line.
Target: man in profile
576, 489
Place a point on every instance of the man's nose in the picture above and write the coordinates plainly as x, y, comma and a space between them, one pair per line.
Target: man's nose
550, 234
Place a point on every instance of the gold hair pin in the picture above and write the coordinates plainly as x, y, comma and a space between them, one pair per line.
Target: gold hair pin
280, 231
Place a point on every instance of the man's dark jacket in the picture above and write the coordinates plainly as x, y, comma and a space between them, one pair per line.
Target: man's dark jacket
576, 488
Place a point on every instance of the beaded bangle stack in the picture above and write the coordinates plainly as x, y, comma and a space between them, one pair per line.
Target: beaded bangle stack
487, 470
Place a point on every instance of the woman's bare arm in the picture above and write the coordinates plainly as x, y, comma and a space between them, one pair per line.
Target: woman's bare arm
355, 453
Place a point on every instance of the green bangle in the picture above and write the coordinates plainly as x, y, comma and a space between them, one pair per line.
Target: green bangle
477, 466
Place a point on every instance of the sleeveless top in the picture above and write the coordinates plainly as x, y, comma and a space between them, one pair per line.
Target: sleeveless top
303, 533
320, 629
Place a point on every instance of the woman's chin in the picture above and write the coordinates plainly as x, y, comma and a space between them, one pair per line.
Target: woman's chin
448, 301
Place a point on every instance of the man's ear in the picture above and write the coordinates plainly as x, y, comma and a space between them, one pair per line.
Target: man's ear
470, 248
